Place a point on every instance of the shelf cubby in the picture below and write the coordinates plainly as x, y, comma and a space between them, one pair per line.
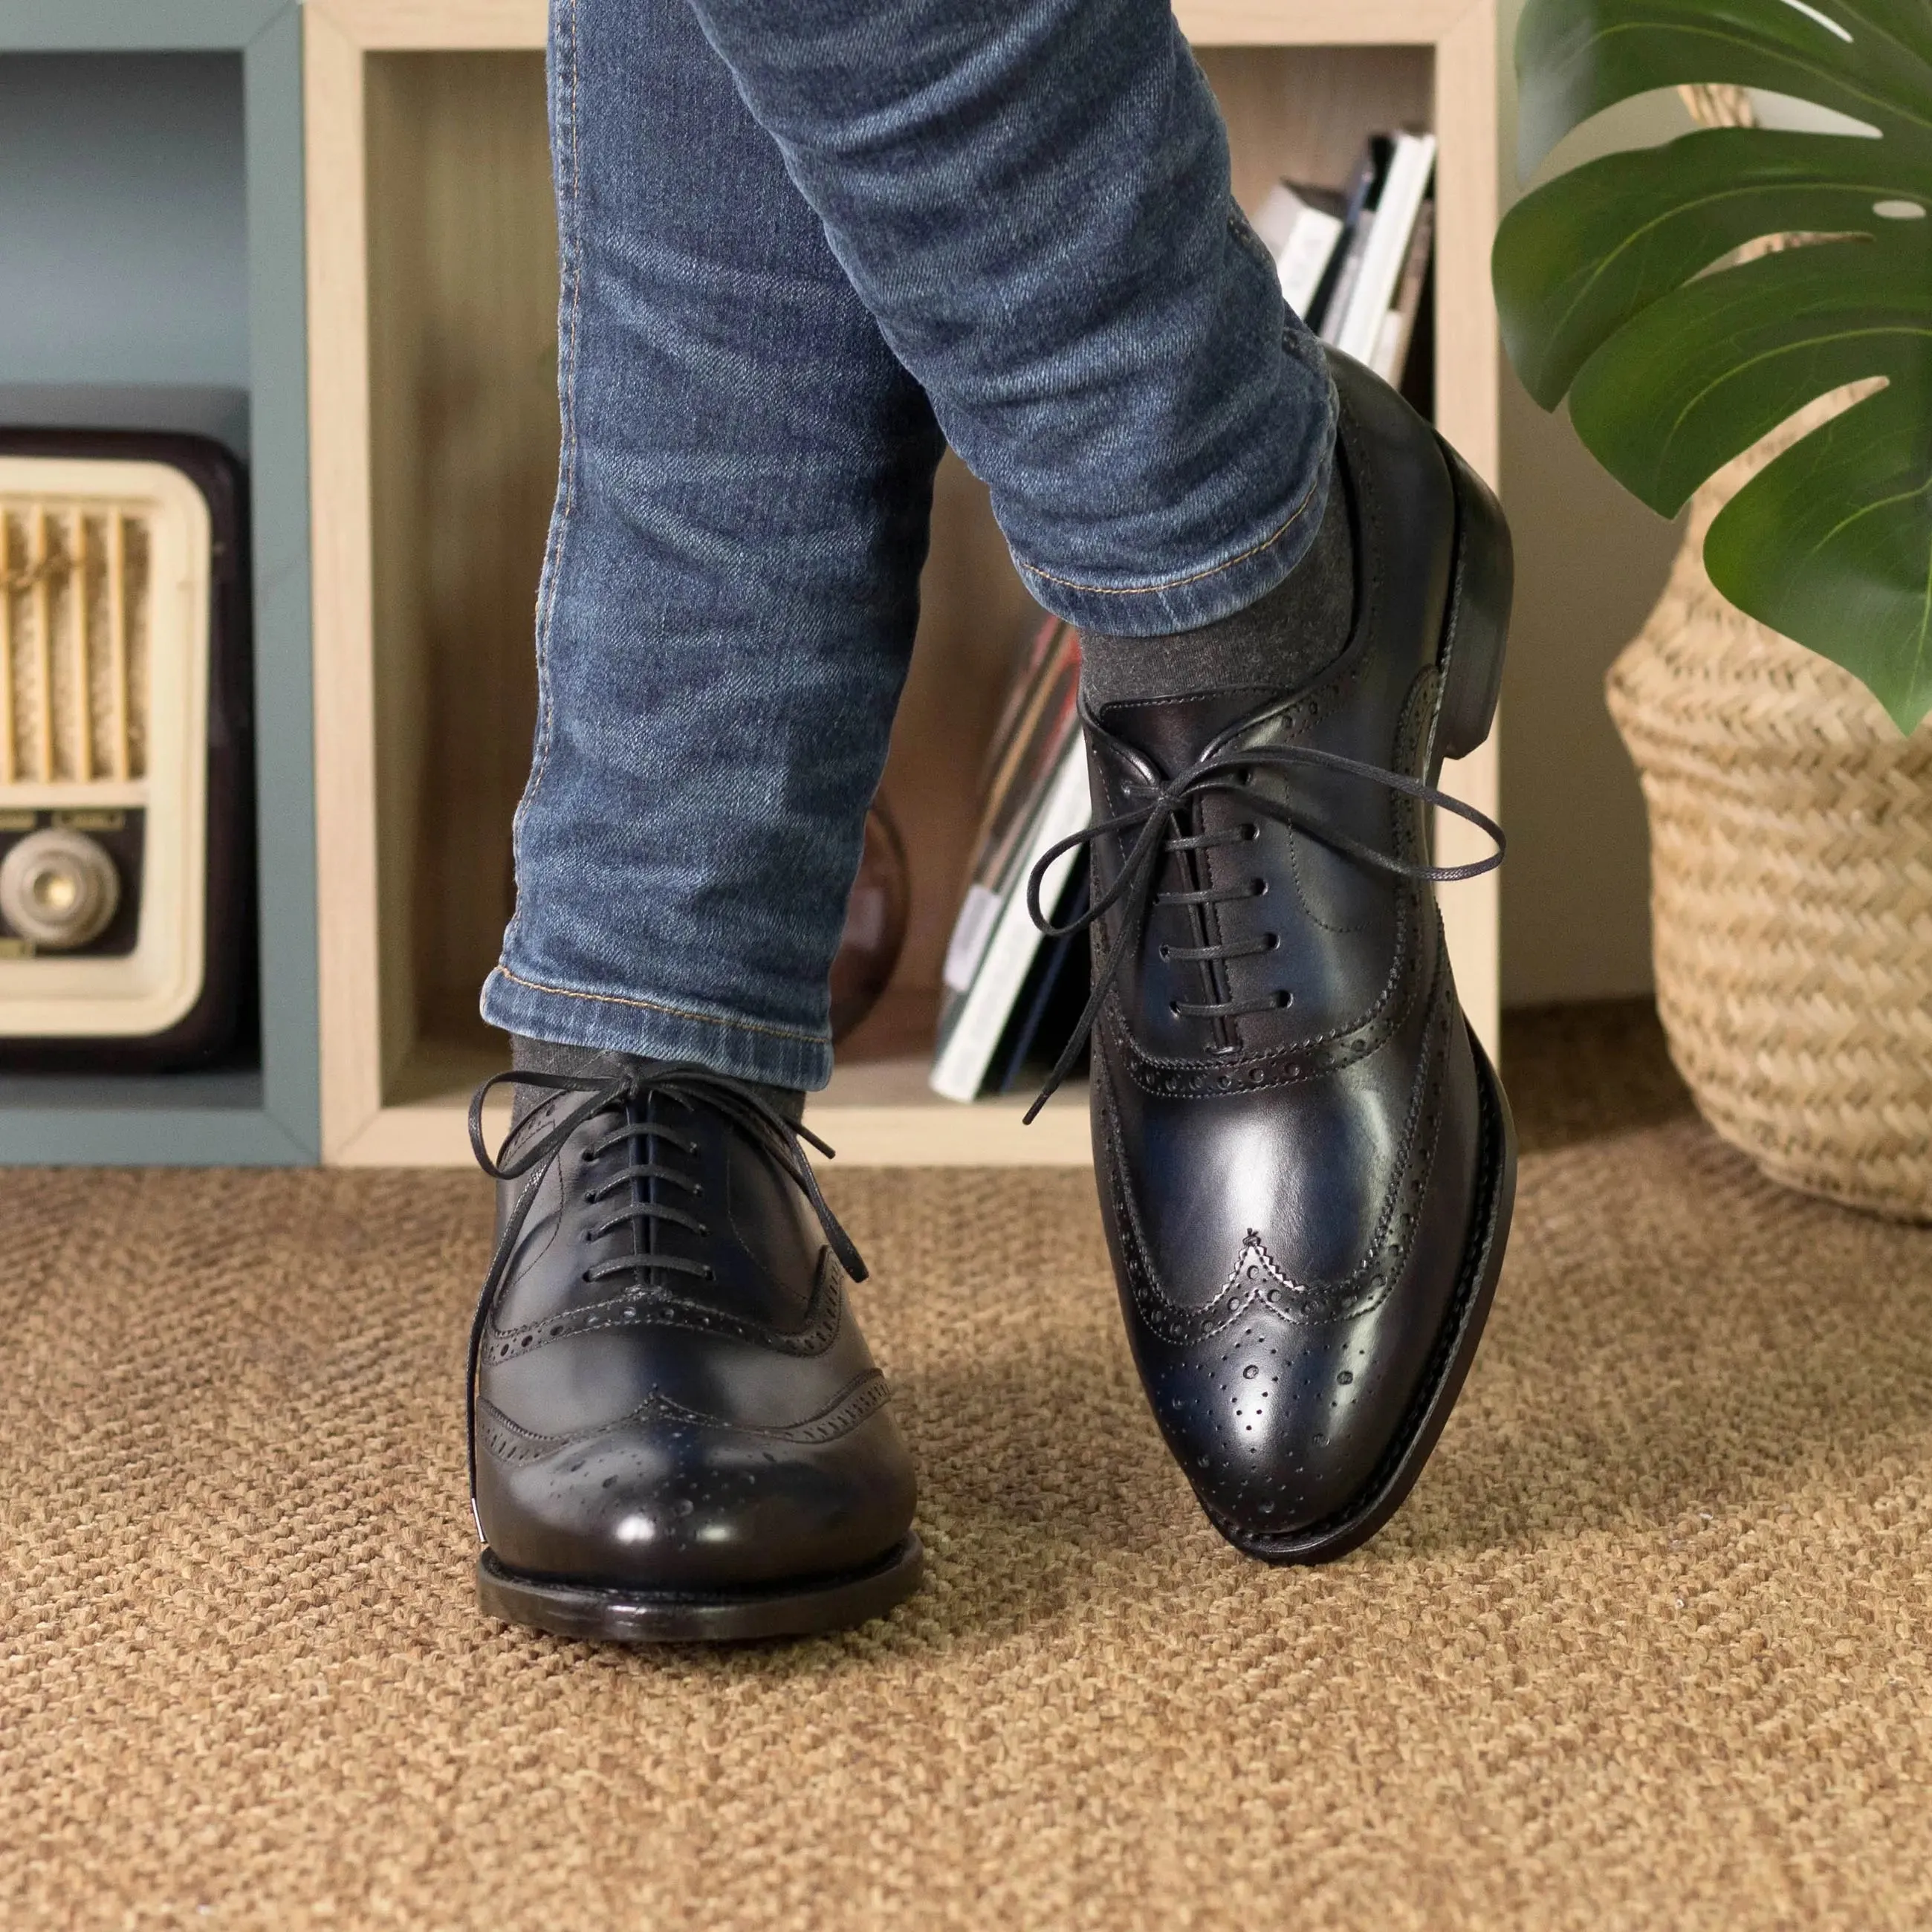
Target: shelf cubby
151, 224
432, 287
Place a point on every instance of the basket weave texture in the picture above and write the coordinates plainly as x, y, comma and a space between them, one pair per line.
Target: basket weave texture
1791, 885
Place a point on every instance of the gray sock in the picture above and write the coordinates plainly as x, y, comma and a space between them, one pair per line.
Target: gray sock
545, 1056
1286, 638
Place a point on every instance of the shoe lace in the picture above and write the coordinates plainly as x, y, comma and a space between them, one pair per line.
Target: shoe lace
780, 1138
1158, 820
643, 1140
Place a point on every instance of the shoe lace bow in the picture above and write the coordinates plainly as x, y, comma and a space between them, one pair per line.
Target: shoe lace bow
627, 1095
1156, 820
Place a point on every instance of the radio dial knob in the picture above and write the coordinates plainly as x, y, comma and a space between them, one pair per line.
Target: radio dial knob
59, 889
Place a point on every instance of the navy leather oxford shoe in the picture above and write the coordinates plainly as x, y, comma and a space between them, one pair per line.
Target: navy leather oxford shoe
677, 1431
1305, 1163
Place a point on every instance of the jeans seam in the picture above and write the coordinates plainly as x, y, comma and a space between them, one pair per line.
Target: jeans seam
572, 228
665, 1007
1273, 537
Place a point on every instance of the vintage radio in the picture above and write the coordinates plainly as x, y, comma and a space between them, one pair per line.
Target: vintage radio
124, 781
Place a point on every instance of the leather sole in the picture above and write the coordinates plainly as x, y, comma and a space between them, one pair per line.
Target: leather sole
1352, 1525
603, 1613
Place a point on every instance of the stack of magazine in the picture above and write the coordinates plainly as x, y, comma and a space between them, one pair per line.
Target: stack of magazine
1354, 260
1012, 997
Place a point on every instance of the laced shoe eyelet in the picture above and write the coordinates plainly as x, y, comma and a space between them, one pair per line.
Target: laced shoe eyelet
1174, 1007
1165, 951
1257, 888
1283, 999
1274, 941
1251, 832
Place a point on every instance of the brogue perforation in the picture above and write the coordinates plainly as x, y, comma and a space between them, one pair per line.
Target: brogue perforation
708, 1452
1305, 1160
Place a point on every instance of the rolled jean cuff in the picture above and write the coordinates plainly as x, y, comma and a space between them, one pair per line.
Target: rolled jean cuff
745, 1049
1256, 563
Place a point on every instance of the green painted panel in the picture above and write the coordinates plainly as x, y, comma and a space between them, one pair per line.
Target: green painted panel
147, 1137
85, 25
123, 221
284, 708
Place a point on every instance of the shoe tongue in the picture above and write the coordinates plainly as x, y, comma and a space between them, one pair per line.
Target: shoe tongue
1173, 732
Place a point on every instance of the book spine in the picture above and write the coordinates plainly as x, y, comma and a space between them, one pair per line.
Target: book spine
1341, 297
1358, 202
1399, 326
1359, 324
959, 1067
1303, 260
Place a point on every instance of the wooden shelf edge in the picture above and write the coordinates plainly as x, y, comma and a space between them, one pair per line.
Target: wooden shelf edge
875, 1114
428, 25
947, 1135
1319, 23
436, 1133
402, 26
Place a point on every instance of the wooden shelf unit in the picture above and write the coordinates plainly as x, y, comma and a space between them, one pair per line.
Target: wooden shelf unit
432, 285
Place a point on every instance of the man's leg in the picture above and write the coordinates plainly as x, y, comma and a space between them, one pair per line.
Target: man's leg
731, 589
1305, 1164
677, 1429
1033, 201
1032, 196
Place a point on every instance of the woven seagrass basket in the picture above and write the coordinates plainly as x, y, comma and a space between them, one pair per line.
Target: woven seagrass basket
1791, 887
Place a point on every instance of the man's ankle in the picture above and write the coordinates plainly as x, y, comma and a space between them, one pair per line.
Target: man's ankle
528, 1055
1283, 641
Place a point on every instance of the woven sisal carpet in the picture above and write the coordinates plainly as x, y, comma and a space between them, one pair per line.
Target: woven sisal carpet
1647, 1648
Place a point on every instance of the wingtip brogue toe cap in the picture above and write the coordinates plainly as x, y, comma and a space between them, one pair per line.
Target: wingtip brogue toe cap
699, 1508
1279, 1431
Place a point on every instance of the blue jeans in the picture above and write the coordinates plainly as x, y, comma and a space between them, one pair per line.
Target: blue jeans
803, 243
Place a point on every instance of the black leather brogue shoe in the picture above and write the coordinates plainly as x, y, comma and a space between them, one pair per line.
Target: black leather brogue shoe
1305, 1163
676, 1432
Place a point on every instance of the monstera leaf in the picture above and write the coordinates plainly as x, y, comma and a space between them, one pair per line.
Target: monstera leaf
1617, 284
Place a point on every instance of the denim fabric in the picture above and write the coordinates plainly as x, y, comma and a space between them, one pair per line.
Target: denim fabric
797, 240
1031, 196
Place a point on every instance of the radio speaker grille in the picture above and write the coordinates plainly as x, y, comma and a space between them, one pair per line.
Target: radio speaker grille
75, 599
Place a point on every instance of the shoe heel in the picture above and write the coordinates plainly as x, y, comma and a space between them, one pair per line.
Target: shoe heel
1477, 629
